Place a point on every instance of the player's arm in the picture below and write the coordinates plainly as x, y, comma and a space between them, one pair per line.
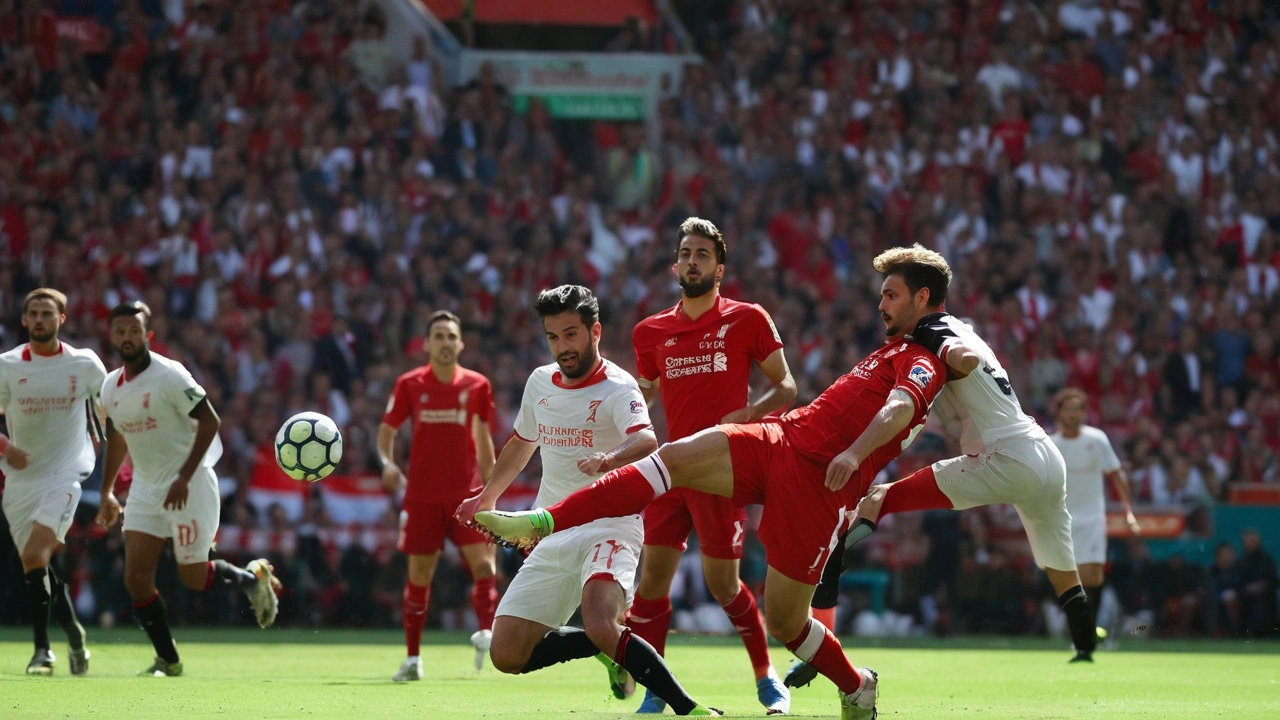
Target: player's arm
484, 445
109, 507
511, 461
207, 424
933, 332
17, 458
392, 477
639, 444
1120, 480
650, 389
891, 420
782, 390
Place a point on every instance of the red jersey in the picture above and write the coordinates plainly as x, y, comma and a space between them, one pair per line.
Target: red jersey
703, 365
827, 426
442, 457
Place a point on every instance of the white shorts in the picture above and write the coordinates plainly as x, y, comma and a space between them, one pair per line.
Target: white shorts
548, 587
1028, 474
192, 528
1089, 538
51, 504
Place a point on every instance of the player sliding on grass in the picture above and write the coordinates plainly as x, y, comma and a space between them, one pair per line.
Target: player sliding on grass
586, 415
808, 468
160, 416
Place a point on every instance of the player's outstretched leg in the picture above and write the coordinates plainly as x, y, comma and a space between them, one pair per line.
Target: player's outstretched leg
64, 612
917, 491
617, 493
648, 668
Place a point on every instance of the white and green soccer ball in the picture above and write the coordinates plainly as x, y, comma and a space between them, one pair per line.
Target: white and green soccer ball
308, 446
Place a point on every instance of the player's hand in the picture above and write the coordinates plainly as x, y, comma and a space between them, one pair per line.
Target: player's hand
741, 415
177, 497
594, 464
108, 511
392, 478
17, 457
841, 468
466, 512
1134, 526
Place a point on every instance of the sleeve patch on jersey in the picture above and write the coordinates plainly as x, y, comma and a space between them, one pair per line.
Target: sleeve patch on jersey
921, 375
637, 407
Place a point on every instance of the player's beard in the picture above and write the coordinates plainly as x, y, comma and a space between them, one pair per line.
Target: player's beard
133, 353
697, 288
586, 361
42, 336
891, 329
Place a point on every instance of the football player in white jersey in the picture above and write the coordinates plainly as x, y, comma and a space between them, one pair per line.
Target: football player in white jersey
48, 390
159, 415
1090, 459
1008, 457
586, 415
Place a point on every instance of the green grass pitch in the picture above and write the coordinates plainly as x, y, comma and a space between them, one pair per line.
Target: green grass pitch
345, 674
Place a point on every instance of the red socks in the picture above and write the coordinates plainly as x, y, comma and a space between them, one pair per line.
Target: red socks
745, 616
484, 601
826, 616
413, 608
651, 620
817, 646
618, 493
917, 491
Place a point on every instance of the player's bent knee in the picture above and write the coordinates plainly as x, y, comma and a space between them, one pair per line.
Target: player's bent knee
604, 634
782, 628
506, 657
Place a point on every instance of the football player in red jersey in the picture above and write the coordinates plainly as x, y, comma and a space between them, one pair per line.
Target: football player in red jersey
699, 356
452, 449
808, 468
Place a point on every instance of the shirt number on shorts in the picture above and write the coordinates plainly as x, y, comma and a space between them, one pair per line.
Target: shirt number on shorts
614, 547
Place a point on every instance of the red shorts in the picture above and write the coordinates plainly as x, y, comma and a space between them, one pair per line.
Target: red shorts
801, 522
425, 525
720, 523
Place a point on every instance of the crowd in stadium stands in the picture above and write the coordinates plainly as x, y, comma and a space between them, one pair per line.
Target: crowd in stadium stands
293, 199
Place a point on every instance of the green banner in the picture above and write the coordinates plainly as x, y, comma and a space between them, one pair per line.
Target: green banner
594, 107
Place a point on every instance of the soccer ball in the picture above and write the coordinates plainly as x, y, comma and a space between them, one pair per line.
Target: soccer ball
308, 446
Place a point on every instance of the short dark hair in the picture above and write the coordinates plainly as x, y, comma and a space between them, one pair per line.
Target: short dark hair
707, 229
919, 268
1066, 395
45, 293
566, 298
441, 315
130, 308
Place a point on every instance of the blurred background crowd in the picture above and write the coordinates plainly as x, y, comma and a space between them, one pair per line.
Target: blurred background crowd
293, 198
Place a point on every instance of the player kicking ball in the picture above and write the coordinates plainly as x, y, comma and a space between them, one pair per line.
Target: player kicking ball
585, 415
48, 390
160, 416
808, 468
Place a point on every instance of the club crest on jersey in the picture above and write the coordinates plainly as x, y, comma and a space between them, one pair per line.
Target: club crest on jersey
146, 401
72, 380
22, 381
671, 342
920, 375
595, 405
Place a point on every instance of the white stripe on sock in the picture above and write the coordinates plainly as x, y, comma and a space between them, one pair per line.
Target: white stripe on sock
656, 473
815, 632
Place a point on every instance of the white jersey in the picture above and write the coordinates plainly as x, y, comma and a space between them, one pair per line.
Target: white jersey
47, 401
984, 402
1089, 456
572, 422
152, 412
